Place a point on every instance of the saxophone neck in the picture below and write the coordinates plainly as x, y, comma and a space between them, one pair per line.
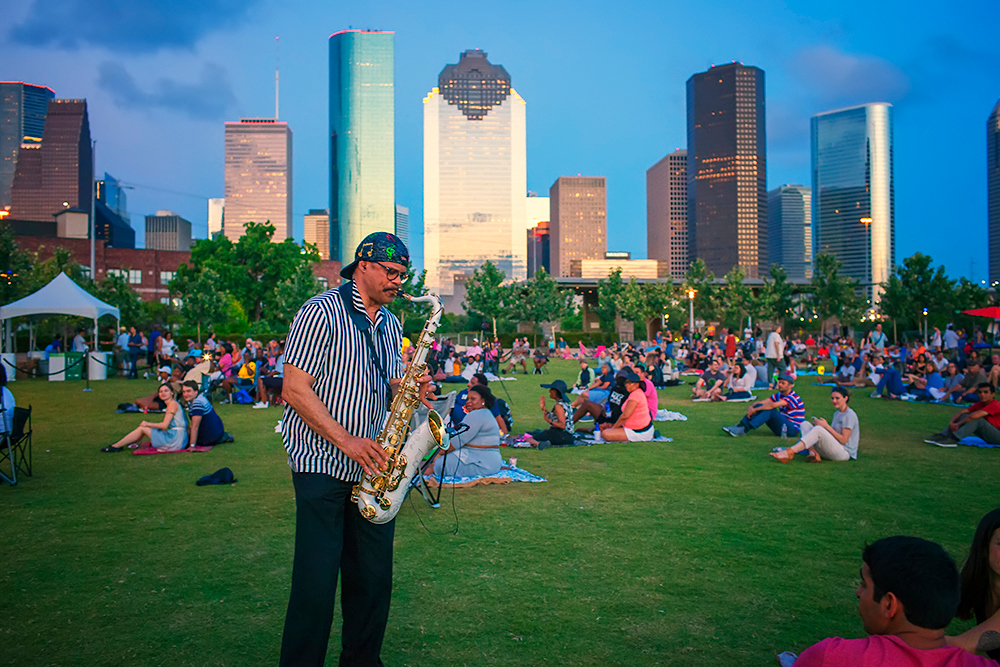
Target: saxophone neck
432, 299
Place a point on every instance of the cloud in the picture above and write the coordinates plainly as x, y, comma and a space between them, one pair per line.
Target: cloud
836, 77
207, 99
126, 26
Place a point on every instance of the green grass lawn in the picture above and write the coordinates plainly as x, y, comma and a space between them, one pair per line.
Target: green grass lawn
702, 551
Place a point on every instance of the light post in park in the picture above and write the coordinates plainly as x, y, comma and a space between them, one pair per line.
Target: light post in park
925, 327
691, 293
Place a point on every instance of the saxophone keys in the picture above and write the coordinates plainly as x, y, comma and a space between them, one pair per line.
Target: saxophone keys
384, 503
368, 512
401, 462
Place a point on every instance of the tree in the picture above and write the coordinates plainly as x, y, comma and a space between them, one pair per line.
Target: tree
609, 295
116, 291
292, 293
486, 294
702, 281
735, 298
775, 301
543, 300
202, 302
834, 295
15, 267
915, 285
646, 303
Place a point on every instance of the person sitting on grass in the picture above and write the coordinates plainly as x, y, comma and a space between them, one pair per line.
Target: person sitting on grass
169, 435
586, 376
908, 595
475, 451
539, 359
981, 419
244, 377
206, 426
559, 419
648, 389
269, 383
783, 412
981, 590
833, 441
739, 386
599, 389
927, 386
712, 380
965, 391
635, 424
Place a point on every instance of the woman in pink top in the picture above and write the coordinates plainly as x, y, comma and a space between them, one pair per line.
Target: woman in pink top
636, 422
648, 390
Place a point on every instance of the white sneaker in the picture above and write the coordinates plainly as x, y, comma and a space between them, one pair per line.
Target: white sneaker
259, 405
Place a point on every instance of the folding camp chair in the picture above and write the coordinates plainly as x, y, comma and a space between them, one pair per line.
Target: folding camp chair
443, 407
15, 447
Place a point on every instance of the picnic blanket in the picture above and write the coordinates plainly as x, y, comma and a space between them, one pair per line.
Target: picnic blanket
741, 400
824, 384
968, 441
664, 415
147, 449
506, 475
588, 440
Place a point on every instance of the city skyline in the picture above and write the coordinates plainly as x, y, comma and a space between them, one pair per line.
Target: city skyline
815, 59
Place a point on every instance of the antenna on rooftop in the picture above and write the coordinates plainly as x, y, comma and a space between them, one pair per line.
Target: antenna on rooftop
277, 55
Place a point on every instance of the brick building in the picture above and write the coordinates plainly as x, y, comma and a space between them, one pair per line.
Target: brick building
148, 271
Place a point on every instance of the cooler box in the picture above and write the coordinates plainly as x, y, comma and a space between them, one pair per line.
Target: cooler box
57, 362
74, 366
96, 369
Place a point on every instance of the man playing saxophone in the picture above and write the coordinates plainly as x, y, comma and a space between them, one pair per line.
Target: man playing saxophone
342, 361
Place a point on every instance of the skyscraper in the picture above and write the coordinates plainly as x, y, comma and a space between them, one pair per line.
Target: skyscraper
167, 231
111, 218
993, 190
726, 169
23, 107
403, 224
667, 212
216, 216
362, 157
59, 173
789, 230
539, 248
258, 176
316, 230
475, 173
579, 224
853, 201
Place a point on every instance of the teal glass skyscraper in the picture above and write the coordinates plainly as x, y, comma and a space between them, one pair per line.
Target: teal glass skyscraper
362, 158
23, 107
993, 192
853, 207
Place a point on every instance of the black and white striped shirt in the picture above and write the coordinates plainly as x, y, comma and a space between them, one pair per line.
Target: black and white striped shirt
325, 343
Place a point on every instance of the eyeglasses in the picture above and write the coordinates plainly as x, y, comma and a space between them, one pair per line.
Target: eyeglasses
392, 274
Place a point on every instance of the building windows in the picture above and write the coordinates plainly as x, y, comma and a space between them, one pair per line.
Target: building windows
134, 276
324, 283
166, 277
171, 301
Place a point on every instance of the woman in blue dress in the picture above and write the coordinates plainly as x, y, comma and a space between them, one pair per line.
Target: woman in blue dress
169, 435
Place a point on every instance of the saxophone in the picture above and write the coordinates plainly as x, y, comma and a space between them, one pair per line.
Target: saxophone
380, 496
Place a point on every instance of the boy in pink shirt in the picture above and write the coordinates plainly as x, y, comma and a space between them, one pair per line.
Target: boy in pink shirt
908, 595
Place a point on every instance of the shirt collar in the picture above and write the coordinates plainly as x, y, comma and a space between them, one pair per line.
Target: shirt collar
359, 305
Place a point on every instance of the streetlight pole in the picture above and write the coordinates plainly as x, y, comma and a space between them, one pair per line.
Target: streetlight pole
925, 326
868, 256
691, 294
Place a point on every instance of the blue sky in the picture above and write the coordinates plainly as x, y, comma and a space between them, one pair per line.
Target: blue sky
604, 85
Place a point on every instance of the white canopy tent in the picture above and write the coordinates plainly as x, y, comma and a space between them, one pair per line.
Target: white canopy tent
61, 296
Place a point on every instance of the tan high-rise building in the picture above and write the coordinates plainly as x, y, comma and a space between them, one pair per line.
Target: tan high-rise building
579, 225
666, 212
316, 230
258, 176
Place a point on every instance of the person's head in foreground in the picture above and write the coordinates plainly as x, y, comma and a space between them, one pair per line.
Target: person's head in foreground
632, 380
840, 397
981, 573
166, 392
480, 396
985, 391
785, 384
908, 594
381, 265
189, 390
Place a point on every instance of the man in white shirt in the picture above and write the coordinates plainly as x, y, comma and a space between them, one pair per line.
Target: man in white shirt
79, 342
951, 340
121, 350
879, 339
774, 351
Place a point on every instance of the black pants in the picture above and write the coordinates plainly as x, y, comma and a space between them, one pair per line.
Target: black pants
332, 537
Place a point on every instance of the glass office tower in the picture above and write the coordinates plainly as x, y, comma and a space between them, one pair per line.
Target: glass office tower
362, 157
22, 121
853, 208
475, 173
258, 177
726, 169
789, 230
993, 192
